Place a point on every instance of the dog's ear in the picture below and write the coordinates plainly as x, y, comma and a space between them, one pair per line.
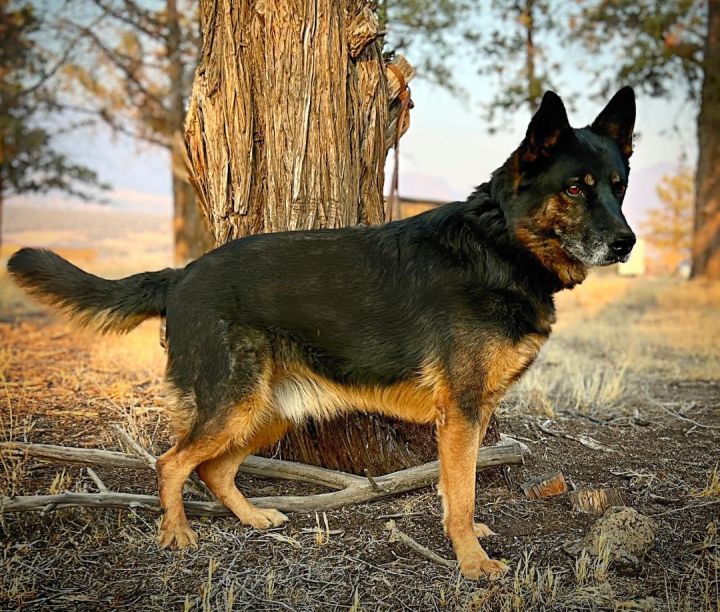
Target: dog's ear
617, 120
546, 128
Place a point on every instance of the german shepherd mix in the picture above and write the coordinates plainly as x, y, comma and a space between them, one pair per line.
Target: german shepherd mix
427, 319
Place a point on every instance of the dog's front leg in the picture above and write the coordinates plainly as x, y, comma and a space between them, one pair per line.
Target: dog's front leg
458, 443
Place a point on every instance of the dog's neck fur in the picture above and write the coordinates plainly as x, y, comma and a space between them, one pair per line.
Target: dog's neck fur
491, 198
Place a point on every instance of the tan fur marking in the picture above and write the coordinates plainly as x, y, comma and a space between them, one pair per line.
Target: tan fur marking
181, 410
504, 362
458, 442
299, 393
536, 233
250, 421
589, 179
219, 474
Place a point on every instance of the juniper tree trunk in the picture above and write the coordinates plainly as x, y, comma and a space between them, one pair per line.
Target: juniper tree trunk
288, 128
2, 206
192, 236
706, 239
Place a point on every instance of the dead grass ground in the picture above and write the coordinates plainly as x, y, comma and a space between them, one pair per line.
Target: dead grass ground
635, 364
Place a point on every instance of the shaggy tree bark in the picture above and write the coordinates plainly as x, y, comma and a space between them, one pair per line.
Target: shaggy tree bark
291, 117
706, 239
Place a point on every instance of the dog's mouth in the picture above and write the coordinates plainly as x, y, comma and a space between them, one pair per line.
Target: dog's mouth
594, 252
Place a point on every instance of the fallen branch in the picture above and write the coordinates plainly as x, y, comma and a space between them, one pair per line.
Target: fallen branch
256, 466
398, 536
193, 484
102, 487
358, 489
586, 441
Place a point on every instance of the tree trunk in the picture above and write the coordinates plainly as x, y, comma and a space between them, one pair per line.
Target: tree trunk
191, 233
706, 239
289, 125
2, 212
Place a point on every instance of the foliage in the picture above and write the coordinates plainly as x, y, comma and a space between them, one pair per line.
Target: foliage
29, 160
515, 53
431, 33
668, 226
657, 44
134, 64
504, 40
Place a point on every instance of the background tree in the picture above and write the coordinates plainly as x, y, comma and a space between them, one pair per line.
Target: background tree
137, 61
507, 41
29, 159
134, 66
660, 46
515, 53
431, 32
669, 226
292, 114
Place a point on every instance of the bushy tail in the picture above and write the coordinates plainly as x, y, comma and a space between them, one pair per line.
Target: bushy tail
107, 305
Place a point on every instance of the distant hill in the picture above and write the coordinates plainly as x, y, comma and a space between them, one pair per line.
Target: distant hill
106, 231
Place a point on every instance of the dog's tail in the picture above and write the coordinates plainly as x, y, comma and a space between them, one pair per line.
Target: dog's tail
106, 305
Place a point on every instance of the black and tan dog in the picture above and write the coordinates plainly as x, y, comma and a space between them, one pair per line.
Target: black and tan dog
428, 319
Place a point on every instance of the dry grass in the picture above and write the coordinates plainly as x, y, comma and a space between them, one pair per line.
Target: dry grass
605, 352
712, 489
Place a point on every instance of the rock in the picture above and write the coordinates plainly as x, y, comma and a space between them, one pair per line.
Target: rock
627, 534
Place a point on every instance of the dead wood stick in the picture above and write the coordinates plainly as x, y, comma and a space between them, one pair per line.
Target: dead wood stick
72, 455
360, 491
393, 82
194, 484
398, 536
257, 466
102, 487
135, 446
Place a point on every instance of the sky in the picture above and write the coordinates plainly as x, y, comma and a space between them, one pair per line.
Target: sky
446, 152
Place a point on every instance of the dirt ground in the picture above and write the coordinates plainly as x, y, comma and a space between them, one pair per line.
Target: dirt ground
634, 364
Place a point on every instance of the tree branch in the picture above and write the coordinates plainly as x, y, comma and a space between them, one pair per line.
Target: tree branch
120, 61
142, 20
356, 489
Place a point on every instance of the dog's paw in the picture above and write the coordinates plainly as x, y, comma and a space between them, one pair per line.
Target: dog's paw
477, 567
482, 530
176, 536
264, 518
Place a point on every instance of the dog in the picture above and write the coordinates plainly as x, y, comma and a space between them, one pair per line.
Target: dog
427, 319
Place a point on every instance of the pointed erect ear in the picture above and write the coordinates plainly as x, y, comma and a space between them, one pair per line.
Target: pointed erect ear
546, 127
617, 120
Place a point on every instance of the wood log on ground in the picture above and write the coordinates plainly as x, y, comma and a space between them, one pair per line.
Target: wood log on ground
357, 490
548, 485
595, 501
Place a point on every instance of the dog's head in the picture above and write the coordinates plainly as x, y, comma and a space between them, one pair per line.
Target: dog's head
568, 187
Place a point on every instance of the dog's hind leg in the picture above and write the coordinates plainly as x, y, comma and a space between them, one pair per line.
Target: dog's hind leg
219, 475
174, 467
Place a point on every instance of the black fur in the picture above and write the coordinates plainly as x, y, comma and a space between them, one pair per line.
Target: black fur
368, 305
123, 303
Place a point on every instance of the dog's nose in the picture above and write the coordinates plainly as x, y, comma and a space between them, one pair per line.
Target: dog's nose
623, 243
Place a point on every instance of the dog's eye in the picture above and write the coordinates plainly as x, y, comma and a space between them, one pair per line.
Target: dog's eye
620, 190
574, 191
